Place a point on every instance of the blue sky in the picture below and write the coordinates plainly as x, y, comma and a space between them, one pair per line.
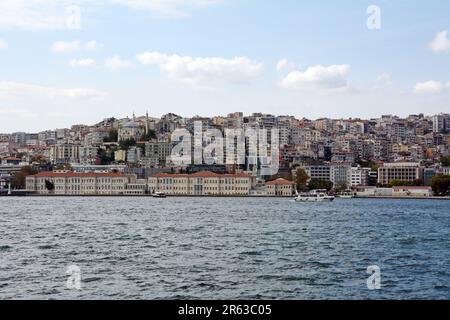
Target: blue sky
213, 57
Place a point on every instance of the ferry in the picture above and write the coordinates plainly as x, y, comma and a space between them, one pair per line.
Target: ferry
314, 196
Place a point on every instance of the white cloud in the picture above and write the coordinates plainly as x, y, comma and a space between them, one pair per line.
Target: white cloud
203, 71
3, 44
431, 87
17, 113
284, 64
82, 63
14, 89
116, 63
384, 80
54, 14
333, 77
441, 43
73, 46
172, 8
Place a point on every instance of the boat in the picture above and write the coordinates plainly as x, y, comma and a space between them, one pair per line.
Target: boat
346, 195
159, 195
314, 196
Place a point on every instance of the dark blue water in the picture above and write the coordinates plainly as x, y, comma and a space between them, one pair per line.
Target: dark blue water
217, 248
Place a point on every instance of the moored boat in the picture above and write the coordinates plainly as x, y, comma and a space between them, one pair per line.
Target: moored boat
314, 196
159, 195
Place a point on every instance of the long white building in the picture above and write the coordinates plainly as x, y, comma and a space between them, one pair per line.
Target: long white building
202, 184
71, 183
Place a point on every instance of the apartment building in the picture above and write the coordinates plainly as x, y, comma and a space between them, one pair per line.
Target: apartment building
72, 183
203, 183
404, 171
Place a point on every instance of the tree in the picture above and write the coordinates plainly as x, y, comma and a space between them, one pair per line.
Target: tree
441, 184
316, 184
151, 135
126, 144
113, 136
19, 179
50, 186
342, 186
301, 179
402, 183
445, 161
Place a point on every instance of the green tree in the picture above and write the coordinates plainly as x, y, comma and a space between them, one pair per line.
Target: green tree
341, 187
19, 179
126, 144
113, 136
301, 179
445, 161
441, 184
50, 186
316, 184
402, 183
151, 135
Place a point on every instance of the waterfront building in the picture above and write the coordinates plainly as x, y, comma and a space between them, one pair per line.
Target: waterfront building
203, 183
319, 172
280, 188
359, 176
412, 192
403, 171
73, 183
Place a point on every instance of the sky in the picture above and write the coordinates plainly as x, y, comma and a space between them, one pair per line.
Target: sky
78, 62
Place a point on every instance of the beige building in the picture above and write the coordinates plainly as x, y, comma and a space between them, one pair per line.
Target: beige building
412, 192
202, 184
70, 183
404, 171
280, 188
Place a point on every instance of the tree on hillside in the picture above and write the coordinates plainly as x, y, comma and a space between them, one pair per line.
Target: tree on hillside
113, 136
19, 179
126, 144
316, 184
301, 179
151, 135
445, 161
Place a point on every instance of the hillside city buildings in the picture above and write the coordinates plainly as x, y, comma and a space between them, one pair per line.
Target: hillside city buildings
133, 156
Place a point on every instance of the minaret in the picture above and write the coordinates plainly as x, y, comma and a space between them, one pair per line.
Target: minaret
147, 124
134, 117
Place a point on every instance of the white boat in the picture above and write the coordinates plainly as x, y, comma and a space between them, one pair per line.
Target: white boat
346, 195
314, 196
159, 195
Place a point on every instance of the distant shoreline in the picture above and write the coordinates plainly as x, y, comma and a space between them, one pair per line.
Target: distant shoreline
212, 196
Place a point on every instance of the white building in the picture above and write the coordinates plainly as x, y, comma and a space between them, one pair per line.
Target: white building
403, 171
71, 183
202, 184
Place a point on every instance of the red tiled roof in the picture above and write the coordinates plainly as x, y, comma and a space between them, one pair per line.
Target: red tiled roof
78, 175
279, 182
